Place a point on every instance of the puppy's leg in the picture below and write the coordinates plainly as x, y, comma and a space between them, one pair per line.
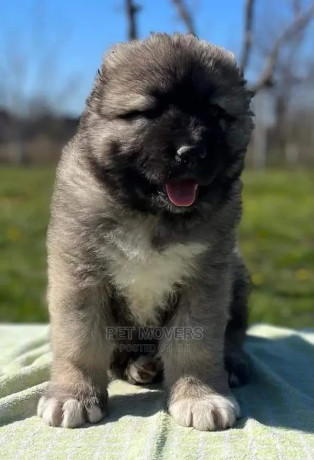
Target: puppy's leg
236, 360
77, 391
194, 372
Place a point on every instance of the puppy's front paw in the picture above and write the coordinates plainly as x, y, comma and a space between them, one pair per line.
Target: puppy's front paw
69, 413
207, 413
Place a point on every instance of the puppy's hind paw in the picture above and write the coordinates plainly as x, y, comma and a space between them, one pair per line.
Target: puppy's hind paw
69, 413
238, 367
144, 369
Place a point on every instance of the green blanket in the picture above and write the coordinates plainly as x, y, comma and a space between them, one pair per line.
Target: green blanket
277, 408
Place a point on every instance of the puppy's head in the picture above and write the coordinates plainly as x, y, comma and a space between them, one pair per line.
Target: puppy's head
167, 123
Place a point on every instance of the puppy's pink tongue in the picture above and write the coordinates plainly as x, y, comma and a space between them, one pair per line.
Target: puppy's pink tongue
182, 192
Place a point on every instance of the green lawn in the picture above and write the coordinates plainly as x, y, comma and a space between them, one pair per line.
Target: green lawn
277, 241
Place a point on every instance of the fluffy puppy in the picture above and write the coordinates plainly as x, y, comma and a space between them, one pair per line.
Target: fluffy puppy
142, 233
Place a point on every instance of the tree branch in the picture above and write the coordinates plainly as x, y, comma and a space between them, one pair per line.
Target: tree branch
131, 10
185, 15
247, 41
299, 23
296, 7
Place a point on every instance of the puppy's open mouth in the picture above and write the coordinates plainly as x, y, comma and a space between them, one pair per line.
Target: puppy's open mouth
182, 192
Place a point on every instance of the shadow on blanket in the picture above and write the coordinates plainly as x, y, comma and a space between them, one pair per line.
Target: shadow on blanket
280, 393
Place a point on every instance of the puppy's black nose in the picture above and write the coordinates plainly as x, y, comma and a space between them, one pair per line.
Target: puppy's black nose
188, 153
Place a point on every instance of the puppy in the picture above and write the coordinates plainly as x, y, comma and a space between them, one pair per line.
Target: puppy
142, 234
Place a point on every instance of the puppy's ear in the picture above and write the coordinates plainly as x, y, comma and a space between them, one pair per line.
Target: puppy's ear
94, 100
231, 56
249, 93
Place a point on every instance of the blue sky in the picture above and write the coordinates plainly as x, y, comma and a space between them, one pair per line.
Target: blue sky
57, 45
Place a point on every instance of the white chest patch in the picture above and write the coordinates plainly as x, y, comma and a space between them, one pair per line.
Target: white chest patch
147, 276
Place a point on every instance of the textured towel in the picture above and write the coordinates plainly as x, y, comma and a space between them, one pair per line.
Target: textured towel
277, 408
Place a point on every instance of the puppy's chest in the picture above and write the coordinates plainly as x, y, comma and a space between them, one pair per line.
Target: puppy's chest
148, 277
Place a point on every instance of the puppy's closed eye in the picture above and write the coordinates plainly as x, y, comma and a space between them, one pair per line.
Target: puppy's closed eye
215, 111
150, 113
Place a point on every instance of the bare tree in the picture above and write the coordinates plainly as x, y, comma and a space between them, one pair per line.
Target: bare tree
185, 15
131, 11
279, 73
299, 23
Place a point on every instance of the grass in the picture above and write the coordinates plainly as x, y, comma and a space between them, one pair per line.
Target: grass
276, 239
